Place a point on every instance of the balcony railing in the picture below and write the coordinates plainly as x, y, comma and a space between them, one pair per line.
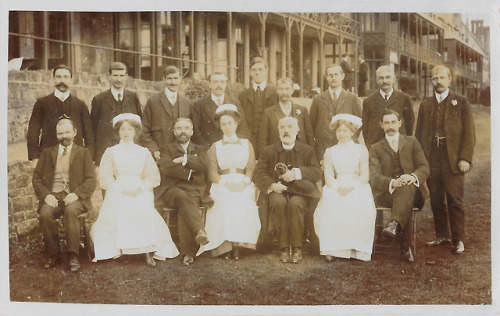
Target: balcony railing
334, 21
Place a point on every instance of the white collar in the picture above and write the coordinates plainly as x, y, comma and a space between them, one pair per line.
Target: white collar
444, 95
390, 138
170, 94
382, 93
337, 92
115, 93
288, 147
185, 146
61, 148
230, 139
215, 98
262, 85
287, 110
61, 95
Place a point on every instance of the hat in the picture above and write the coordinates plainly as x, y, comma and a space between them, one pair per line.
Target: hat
227, 107
349, 118
126, 116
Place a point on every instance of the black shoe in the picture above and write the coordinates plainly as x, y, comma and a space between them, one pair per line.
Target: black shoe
52, 261
407, 255
391, 230
458, 247
296, 255
201, 238
285, 255
74, 264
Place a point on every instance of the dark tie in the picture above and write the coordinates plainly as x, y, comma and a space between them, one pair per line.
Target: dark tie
258, 90
65, 151
119, 97
386, 97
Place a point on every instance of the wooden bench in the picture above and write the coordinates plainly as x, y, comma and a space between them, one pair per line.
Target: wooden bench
85, 240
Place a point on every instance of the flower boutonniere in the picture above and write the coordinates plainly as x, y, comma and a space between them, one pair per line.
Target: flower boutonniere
298, 112
454, 102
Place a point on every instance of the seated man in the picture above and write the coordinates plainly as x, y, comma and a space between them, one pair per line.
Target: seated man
397, 168
64, 180
182, 166
286, 175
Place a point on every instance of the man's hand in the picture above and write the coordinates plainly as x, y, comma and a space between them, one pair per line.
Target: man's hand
278, 187
235, 186
34, 162
345, 190
132, 193
70, 198
178, 159
156, 155
289, 176
463, 165
51, 200
407, 179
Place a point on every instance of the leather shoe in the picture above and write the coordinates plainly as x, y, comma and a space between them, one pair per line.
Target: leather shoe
296, 255
459, 247
201, 238
74, 264
284, 255
52, 261
391, 230
407, 255
187, 260
439, 241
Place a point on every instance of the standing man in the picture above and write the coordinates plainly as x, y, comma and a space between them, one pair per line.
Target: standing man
362, 76
329, 103
445, 129
398, 168
206, 130
63, 181
161, 111
48, 110
256, 99
287, 190
269, 133
182, 166
347, 83
109, 104
386, 98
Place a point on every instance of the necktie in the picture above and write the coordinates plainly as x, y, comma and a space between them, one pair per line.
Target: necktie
394, 145
119, 97
219, 102
65, 151
440, 98
386, 97
258, 90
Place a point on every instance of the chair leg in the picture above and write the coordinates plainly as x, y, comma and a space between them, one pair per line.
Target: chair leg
414, 232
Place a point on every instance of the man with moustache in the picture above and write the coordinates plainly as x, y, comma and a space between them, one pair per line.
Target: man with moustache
269, 133
48, 110
206, 130
386, 98
161, 111
63, 180
287, 194
109, 104
182, 166
445, 129
329, 103
398, 169
258, 97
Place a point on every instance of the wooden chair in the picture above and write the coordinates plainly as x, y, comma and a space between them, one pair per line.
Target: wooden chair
85, 240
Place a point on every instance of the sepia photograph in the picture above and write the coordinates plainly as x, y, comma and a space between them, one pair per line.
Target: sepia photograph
249, 159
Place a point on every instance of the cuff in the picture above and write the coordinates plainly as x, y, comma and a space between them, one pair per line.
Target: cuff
391, 189
417, 183
298, 174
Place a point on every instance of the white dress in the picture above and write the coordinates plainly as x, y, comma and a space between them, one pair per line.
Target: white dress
130, 225
234, 216
345, 225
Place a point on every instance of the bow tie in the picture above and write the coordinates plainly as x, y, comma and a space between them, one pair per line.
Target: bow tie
233, 142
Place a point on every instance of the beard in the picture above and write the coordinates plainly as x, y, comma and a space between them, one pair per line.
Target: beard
182, 138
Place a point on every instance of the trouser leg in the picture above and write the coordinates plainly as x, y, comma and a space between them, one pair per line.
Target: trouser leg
437, 193
48, 227
454, 184
296, 207
278, 207
72, 225
402, 203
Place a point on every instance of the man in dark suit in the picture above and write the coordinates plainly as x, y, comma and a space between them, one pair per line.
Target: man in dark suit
445, 129
385, 98
397, 169
206, 130
49, 109
286, 192
161, 111
256, 99
182, 166
109, 104
63, 180
362, 76
348, 81
269, 133
329, 103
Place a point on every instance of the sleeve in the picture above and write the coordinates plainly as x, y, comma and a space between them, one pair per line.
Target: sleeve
264, 130
250, 167
107, 172
213, 166
138, 107
147, 138
409, 116
198, 135
312, 171
87, 132
308, 128
420, 121
377, 179
261, 178
469, 136
364, 171
34, 128
243, 131
86, 189
150, 175
41, 190
95, 113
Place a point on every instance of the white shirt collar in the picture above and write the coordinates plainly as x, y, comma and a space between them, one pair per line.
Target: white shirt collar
390, 138
115, 93
382, 93
288, 110
170, 94
185, 146
230, 139
288, 147
262, 85
61, 95
337, 92
444, 95
215, 98
61, 148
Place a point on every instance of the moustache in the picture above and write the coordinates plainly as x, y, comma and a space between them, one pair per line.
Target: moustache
61, 85
391, 130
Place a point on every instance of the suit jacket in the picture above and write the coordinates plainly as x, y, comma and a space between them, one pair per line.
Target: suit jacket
158, 120
269, 133
374, 106
101, 115
458, 128
45, 117
173, 174
206, 130
82, 178
412, 160
321, 114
